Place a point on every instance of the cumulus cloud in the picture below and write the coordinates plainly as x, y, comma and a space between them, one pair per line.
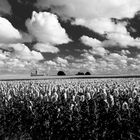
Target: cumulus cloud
53, 66
109, 63
8, 34
92, 8
101, 25
46, 28
116, 34
117, 59
95, 44
62, 62
124, 39
15, 63
50, 62
125, 52
89, 57
1, 64
112, 63
22, 52
90, 41
17, 66
18, 63
2, 56
35, 56
46, 48
69, 57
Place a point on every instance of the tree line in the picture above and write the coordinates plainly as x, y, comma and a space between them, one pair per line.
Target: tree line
62, 73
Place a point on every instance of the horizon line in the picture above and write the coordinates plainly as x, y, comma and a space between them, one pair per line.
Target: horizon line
28, 77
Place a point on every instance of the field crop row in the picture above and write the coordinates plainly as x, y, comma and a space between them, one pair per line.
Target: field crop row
70, 109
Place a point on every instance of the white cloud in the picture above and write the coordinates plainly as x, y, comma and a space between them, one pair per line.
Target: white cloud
69, 57
101, 25
8, 34
111, 63
125, 52
92, 8
46, 28
61, 61
46, 48
124, 40
50, 62
2, 56
89, 57
21, 51
95, 44
116, 58
15, 63
56, 64
1, 64
90, 41
116, 34
53, 66
35, 56
115, 63
17, 66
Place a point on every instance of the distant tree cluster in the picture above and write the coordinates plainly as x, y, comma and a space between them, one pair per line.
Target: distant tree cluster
87, 73
62, 73
81, 73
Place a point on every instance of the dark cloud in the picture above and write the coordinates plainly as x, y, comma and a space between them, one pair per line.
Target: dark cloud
76, 31
92, 8
134, 51
134, 25
5, 8
68, 49
21, 10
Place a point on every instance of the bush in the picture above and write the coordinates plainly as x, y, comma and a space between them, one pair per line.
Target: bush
80, 73
87, 73
61, 73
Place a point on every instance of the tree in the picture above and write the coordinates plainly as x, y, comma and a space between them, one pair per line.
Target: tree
61, 73
87, 73
80, 73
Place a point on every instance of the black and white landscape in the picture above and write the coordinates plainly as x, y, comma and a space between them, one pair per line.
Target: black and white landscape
69, 69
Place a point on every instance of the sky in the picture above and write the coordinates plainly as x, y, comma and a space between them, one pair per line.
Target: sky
99, 36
